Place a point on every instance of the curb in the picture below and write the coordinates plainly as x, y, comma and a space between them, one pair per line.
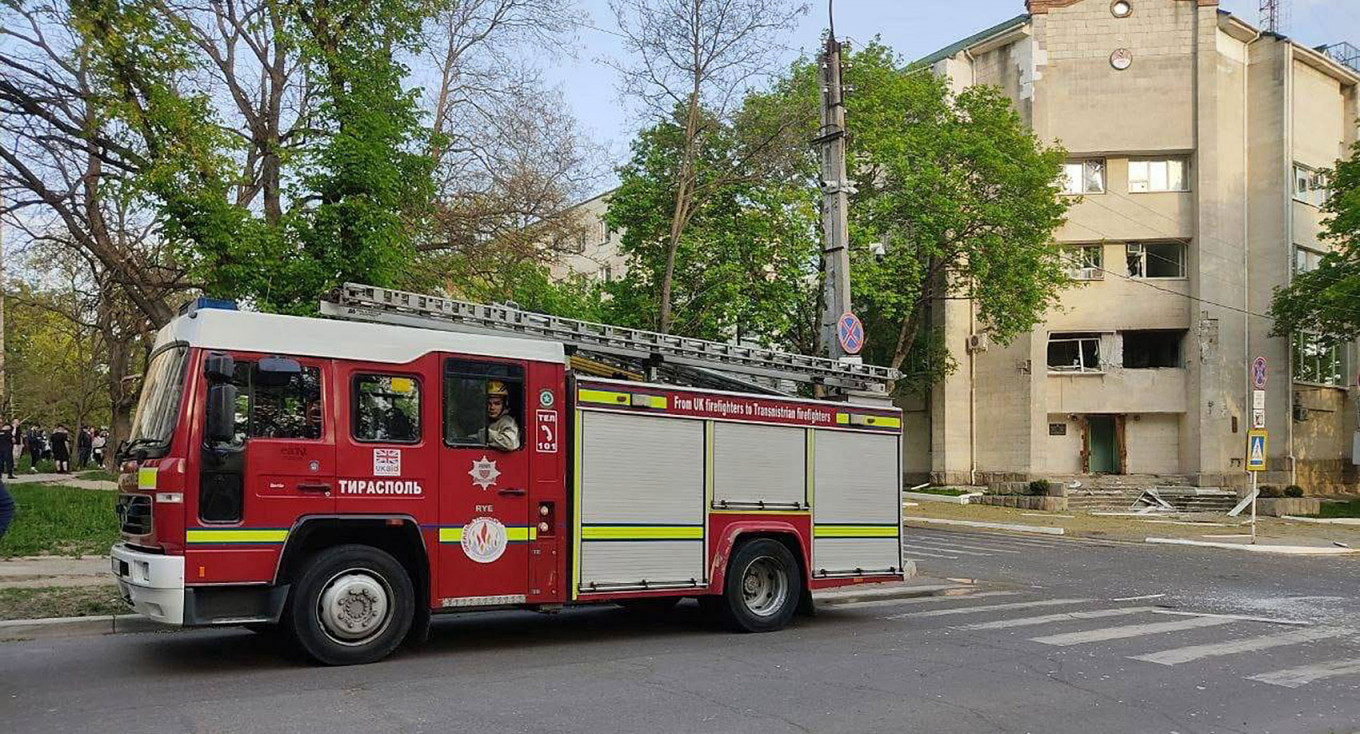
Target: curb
961, 499
1324, 520
1284, 550
103, 624
1041, 529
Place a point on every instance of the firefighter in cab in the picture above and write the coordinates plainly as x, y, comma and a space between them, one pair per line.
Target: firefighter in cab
502, 432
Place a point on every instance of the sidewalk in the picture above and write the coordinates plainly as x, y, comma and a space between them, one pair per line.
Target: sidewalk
35, 572
66, 480
1177, 528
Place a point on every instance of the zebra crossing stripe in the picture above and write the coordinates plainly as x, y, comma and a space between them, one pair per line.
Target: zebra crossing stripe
918, 554
945, 550
1305, 674
1131, 630
1047, 618
992, 608
928, 542
923, 600
1251, 644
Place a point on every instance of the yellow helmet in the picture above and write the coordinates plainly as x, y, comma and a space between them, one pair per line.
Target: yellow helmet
496, 389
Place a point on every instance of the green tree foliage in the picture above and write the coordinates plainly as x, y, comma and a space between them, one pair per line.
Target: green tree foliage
1325, 302
745, 265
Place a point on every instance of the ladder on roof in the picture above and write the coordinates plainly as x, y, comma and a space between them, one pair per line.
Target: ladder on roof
401, 308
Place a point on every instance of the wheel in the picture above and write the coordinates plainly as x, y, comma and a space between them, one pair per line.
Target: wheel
353, 605
762, 590
651, 607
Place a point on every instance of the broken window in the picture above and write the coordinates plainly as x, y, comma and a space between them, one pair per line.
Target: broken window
1086, 262
1074, 352
1156, 259
1152, 349
1310, 186
1084, 177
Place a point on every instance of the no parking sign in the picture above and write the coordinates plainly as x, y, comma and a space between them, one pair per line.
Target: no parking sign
850, 333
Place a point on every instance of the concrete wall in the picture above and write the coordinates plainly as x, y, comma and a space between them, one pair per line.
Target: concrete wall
600, 251
1153, 442
1061, 454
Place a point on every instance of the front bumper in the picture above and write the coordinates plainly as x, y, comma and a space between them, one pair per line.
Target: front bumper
152, 583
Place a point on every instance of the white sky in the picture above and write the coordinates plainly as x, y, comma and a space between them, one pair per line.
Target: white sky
914, 28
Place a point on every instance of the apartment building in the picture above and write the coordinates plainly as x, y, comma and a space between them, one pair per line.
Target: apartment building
593, 251
1195, 142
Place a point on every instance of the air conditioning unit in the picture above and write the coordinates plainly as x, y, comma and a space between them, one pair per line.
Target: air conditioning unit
1301, 412
978, 342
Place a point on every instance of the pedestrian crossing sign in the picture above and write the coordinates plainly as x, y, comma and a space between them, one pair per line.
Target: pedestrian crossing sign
1256, 450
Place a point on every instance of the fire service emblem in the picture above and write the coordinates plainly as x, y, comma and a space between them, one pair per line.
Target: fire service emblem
484, 539
484, 472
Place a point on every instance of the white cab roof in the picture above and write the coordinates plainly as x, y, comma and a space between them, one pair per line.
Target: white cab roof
330, 339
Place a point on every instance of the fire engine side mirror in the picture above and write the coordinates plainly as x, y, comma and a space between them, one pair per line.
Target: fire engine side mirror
219, 367
276, 371
221, 426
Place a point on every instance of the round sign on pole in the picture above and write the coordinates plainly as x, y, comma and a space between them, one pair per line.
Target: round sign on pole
1258, 373
850, 333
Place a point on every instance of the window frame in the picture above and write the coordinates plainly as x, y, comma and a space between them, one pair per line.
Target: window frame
1184, 260
1340, 354
1306, 252
1083, 162
1078, 338
253, 360
1317, 191
1085, 272
1183, 160
518, 381
354, 407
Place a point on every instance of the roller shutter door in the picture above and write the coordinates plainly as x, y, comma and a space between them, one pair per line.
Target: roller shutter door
856, 504
757, 466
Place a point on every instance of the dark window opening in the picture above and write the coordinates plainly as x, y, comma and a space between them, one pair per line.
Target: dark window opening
483, 404
1150, 349
386, 409
1074, 352
274, 406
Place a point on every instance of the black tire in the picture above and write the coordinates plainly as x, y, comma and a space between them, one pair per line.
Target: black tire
762, 589
652, 607
366, 614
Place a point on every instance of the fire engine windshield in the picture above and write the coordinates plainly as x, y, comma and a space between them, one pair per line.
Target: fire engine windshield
159, 405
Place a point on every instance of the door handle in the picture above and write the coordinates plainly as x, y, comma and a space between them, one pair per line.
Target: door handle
314, 488
511, 492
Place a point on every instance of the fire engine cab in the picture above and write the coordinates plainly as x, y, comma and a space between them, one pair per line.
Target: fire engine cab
342, 479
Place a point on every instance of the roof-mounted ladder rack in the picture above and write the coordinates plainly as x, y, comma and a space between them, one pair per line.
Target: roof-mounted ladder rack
401, 308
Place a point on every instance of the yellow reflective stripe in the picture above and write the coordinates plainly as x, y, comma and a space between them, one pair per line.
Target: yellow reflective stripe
650, 401
234, 535
860, 419
606, 397
512, 534
146, 477
842, 419
855, 531
642, 532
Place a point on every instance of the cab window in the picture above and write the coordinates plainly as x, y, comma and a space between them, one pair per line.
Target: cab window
483, 404
386, 409
270, 405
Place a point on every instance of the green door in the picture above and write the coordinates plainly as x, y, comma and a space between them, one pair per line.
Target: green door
1100, 445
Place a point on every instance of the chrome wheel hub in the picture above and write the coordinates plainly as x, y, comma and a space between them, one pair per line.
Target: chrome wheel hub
764, 587
354, 607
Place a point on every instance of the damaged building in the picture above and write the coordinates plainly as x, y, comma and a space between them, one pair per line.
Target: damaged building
1196, 143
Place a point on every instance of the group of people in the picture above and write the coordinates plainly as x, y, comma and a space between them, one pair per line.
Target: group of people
57, 446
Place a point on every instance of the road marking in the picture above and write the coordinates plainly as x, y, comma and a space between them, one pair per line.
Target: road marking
1130, 630
1047, 618
923, 599
1139, 598
915, 554
945, 550
951, 545
915, 534
1303, 675
1238, 617
1251, 644
993, 608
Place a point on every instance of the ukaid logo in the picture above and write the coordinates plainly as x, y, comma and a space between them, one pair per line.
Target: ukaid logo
386, 462
380, 487
484, 539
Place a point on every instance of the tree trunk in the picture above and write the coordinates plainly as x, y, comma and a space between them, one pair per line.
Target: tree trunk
680, 215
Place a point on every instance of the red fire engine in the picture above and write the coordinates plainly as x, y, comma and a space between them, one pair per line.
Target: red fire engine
343, 479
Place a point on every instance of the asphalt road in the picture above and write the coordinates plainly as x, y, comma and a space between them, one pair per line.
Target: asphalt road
1065, 636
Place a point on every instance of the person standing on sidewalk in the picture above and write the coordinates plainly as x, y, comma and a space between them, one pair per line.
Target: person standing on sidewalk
6, 450
61, 449
84, 443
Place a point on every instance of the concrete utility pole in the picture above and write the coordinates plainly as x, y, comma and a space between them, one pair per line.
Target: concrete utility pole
835, 192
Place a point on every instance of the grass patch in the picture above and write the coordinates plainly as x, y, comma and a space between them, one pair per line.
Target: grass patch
1350, 508
55, 520
97, 475
60, 601
943, 491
